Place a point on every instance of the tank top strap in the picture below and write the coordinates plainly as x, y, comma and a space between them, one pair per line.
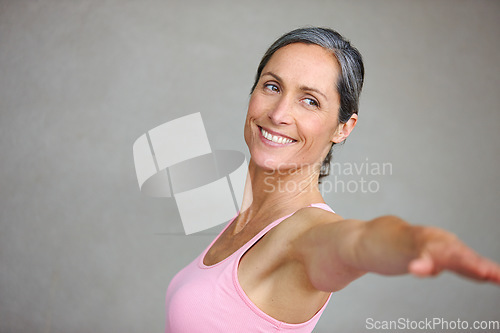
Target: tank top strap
264, 231
322, 206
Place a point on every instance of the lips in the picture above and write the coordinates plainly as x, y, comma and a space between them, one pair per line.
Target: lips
275, 137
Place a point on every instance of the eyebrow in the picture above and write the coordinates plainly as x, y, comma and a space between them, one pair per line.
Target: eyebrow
303, 88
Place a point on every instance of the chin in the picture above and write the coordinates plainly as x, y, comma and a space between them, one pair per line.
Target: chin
263, 161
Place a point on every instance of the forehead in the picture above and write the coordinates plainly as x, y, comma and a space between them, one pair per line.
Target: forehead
305, 64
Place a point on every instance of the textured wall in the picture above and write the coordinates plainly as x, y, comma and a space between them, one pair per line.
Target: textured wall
81, 250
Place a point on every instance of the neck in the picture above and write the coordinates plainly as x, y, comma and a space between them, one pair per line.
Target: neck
270, 194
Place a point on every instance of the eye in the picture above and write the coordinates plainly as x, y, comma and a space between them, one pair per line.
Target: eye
272, 87
311, 102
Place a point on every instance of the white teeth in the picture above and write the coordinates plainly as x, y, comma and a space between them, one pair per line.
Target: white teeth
275, 138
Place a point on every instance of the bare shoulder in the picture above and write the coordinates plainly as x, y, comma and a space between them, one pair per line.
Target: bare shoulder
299, 223
305, 219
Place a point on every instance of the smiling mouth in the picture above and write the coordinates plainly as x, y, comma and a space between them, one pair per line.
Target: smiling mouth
275, 138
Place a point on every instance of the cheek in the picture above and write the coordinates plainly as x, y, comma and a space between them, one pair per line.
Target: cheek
320, 131
256, 106
251, 108
248, 121
250, 115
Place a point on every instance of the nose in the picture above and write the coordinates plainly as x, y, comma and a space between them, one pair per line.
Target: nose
281, 112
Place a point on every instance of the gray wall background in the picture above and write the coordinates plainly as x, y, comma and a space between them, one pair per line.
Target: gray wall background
81, 250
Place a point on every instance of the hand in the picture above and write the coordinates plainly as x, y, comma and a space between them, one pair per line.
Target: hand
440, 250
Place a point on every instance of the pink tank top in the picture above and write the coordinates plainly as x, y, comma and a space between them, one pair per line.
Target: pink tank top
205, 299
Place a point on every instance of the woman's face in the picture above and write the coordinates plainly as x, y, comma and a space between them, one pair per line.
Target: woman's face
292, 115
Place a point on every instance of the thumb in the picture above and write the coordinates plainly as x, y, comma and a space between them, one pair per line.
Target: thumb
422, 266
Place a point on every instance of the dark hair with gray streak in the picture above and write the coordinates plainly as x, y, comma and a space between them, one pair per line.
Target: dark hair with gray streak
350, 82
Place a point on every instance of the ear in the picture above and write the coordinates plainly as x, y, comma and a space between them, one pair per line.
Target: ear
343, 130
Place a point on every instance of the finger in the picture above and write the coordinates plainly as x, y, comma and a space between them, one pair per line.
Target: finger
468, 263
481, 269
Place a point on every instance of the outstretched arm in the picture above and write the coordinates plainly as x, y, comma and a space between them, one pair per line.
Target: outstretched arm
336, 253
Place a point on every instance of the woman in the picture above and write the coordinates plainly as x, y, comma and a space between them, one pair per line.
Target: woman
275, 265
